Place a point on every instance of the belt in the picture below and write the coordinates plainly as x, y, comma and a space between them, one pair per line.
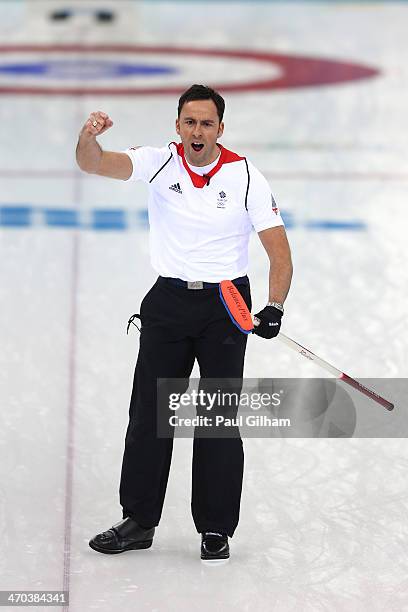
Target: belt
178, 282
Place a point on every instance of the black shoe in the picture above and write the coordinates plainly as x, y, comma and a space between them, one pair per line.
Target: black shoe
126, 535
214, 546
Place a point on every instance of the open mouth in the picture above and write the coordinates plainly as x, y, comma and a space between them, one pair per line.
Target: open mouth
197, 146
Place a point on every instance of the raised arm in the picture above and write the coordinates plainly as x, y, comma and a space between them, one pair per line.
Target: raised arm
90, 156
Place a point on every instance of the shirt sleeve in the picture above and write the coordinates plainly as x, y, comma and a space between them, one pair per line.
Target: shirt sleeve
146, 161
262, 208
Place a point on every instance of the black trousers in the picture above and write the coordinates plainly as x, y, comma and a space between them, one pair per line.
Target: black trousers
180, 325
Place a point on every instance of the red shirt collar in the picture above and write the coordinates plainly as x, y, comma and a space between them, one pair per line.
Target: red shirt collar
200, 180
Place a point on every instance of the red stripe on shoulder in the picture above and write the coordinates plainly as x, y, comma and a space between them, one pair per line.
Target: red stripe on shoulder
230, 156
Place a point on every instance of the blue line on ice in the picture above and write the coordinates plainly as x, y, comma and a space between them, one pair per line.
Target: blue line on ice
119, 219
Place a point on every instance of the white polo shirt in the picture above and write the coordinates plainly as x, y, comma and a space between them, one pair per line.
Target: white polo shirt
200, 225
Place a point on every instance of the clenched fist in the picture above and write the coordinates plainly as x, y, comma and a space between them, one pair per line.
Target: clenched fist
97, 123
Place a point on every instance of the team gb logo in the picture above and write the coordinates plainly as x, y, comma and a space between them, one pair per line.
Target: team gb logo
222, 199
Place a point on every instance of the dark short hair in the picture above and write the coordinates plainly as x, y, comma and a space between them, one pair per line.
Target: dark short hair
202, 92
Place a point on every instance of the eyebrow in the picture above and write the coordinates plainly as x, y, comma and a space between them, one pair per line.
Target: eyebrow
193, 119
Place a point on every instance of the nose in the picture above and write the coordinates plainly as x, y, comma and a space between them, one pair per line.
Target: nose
197, 130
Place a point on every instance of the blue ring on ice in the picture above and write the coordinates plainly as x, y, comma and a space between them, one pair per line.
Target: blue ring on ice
85, 69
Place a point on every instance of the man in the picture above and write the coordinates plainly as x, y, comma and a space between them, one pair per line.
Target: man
204, 201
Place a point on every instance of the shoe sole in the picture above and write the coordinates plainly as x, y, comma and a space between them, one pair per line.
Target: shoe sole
218, 561
219, 558
137, 546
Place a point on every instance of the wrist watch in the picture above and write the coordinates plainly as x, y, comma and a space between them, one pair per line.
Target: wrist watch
277, 305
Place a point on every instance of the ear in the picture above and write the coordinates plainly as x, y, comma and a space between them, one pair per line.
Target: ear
220, 130
178, 126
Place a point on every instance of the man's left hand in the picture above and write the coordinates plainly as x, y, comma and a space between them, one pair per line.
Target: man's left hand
269, 322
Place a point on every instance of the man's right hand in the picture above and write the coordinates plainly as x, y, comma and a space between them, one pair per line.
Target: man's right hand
90, 156
97, 123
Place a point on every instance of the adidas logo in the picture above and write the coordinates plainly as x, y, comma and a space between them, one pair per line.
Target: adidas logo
176, 187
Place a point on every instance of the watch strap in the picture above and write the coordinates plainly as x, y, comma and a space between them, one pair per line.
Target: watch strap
277, 305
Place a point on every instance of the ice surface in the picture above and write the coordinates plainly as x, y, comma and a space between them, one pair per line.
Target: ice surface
323, 522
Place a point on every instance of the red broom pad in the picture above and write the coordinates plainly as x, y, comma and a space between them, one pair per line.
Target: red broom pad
236, 307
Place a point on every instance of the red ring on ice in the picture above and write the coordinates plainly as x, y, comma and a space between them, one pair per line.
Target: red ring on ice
297, 70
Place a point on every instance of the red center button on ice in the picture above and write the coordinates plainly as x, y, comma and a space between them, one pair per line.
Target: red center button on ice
236, 307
